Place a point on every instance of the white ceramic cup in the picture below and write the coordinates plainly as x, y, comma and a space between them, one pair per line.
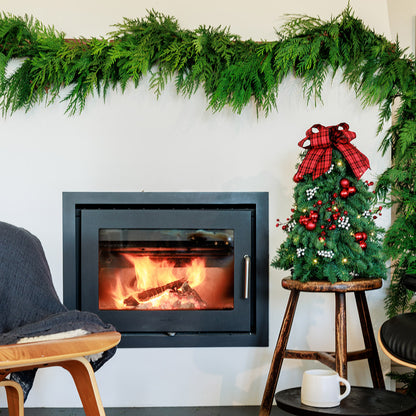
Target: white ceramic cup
320, 388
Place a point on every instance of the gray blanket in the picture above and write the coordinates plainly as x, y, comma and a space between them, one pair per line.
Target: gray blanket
29, 304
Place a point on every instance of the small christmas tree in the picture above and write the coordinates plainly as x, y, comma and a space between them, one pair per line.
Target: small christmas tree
331, 234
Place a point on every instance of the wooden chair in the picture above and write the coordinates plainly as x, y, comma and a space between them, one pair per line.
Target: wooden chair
68, 353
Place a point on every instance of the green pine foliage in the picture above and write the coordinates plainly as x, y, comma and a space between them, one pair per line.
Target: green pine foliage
231, 72
330, 250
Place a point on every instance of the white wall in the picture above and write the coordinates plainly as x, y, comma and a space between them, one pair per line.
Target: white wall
402, 16
134, 142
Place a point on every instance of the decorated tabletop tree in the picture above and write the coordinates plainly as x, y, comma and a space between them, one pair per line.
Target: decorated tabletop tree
331, 234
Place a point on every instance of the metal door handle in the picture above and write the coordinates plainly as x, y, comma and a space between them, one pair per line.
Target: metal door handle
247, 263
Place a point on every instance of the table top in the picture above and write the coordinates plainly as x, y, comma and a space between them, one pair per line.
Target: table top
355, 285
362, 401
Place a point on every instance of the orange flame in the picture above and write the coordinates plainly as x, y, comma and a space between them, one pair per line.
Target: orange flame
149, 273
152, 274
196, 272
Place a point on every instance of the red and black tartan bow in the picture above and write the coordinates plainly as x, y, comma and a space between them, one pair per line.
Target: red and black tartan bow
318, 159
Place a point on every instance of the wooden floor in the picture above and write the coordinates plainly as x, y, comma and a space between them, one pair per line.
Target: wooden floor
152, 411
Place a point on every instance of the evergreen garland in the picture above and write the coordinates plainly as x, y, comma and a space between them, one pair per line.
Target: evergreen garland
232, 73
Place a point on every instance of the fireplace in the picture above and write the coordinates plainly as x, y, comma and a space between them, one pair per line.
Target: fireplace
170, 269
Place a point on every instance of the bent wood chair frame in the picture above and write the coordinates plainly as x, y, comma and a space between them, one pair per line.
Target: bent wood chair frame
67, 353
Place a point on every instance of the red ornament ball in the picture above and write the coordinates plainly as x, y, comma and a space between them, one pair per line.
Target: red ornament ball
319, 202
314, 216
352, 190
344, 193
344, 182
358, 236
364, 235
297, 178
310, 225
363, 244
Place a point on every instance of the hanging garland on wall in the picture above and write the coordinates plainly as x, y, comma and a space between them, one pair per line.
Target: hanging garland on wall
233, 73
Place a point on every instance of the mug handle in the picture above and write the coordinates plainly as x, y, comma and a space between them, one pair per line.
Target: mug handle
347, 386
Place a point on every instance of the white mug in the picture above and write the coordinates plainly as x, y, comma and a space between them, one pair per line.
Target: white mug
320, 388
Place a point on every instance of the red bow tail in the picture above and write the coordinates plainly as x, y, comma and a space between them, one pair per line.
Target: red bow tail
358, 161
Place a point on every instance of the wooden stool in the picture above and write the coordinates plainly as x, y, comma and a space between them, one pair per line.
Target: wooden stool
338, 360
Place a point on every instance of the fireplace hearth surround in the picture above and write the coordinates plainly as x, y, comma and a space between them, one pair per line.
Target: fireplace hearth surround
170, 269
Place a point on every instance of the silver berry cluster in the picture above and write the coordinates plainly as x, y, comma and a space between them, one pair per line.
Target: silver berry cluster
300, 251
331, 168
290, 226
344, 222
310, 193
326, 253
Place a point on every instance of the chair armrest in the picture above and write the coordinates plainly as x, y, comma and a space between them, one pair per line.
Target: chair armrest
409, 282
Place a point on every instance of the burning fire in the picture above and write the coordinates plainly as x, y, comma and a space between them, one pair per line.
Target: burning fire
159, 285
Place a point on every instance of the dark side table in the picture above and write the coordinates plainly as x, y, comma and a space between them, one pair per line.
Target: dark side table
362, 401
338, 359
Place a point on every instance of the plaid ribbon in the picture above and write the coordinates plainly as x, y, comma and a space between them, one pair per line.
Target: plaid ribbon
318, 159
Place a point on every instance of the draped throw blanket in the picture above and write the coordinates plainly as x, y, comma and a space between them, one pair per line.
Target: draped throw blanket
29, 304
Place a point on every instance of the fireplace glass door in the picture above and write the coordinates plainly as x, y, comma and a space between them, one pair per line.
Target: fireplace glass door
167, 270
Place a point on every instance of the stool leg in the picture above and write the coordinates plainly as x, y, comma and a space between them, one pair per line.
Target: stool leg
369, 340
279, 354
340, 334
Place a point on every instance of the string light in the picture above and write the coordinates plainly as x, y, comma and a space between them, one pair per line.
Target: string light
315, 261
339, 163
345, 260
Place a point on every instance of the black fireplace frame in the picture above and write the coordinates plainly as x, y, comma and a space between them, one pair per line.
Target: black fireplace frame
74, 203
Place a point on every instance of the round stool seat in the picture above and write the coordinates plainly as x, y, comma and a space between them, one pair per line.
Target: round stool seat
398, 336
355, 285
